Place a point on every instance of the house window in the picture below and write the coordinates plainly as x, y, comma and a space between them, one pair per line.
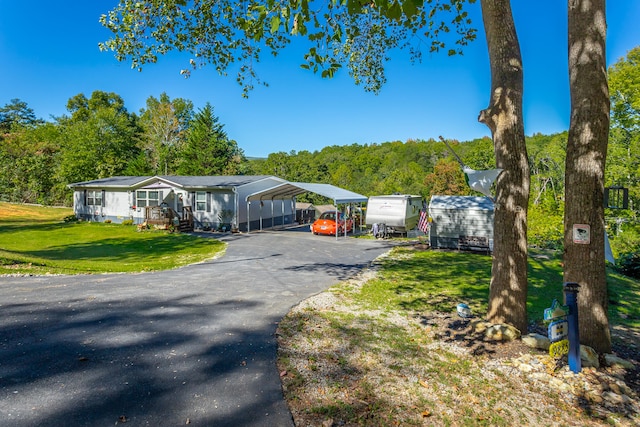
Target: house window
147, 198
94, 197
201, 201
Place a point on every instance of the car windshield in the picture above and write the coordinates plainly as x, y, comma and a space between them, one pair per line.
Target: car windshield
328, 215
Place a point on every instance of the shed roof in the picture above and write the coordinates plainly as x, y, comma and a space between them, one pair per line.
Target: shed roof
291, 189
461, 202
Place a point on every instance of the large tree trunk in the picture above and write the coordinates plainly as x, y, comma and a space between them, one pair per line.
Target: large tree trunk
584, 172
508, 289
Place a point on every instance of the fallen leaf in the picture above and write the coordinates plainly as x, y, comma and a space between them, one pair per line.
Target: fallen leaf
328, 423
426, 414
423, 384
83, 359
188, 421
283, 373
122, 419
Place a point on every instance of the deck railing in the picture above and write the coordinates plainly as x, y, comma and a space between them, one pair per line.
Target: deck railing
166, 216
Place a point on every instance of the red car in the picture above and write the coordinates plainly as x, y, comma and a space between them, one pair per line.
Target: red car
326, 224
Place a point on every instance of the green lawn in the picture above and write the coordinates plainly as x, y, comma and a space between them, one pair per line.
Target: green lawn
36, 240
439, 280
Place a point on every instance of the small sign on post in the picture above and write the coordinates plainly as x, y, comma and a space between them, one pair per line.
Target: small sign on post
581, 234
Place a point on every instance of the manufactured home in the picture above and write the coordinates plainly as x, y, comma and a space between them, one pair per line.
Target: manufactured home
209, 201
398, 212
243, 203
461, 222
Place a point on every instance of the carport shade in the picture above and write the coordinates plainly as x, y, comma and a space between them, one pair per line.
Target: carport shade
291, 189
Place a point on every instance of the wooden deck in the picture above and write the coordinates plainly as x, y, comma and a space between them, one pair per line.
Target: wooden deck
167, 217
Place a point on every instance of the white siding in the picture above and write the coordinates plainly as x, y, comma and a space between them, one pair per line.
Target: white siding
455, 216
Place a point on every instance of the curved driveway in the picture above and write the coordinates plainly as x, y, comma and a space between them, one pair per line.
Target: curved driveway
191, 346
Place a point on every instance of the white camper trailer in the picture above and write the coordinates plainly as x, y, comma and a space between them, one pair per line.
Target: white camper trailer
398, 212
461, 222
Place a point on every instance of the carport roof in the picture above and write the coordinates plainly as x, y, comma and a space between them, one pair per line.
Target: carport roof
291, 189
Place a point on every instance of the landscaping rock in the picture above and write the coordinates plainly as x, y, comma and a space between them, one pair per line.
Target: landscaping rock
538, 341
479, 326
589, 357
612, 360
502, 333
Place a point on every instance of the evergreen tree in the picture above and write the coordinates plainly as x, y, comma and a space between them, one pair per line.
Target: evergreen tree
17, 113
208, 150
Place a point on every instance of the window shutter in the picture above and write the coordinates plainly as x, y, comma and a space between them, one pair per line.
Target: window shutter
84, 198
193, 200
208, 201
160, 198
103, 201
133, 198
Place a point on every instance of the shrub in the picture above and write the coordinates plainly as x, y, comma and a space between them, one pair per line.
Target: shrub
70, 218
545, 229
127, 222
107, 221
625, 239
629, 264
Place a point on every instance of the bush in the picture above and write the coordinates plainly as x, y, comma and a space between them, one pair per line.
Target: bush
127, 222
545, 229
70, 218
107, 221
625, 239
629, 264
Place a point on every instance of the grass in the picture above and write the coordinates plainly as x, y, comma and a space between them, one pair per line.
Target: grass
368, 352
36, 240
414, 281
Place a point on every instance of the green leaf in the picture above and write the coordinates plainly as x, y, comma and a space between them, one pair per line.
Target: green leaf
353, 7
382, 4
275, 23
409, 8
395, 11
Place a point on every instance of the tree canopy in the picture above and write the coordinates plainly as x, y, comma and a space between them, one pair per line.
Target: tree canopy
222, 34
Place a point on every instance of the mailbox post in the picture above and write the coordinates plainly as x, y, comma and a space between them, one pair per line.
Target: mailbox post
571, 300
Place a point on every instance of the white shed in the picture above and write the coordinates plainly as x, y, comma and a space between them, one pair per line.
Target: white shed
461, 222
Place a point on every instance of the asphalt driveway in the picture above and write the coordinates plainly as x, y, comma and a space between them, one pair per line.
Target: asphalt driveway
191, 346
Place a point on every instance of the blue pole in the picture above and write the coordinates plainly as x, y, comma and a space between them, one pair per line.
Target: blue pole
571, 300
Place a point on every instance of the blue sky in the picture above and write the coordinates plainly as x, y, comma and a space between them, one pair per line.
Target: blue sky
49, 53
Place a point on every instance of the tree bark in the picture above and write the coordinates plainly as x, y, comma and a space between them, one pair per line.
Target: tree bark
508, 289
584, 172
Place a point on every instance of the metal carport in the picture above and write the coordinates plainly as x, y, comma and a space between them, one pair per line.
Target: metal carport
288, 190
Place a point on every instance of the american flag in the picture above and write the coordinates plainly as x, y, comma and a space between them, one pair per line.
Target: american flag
423, 223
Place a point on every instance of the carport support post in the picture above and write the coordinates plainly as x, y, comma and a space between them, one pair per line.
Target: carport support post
249, 216
345, 221
273, 223
335, 205
261, 205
